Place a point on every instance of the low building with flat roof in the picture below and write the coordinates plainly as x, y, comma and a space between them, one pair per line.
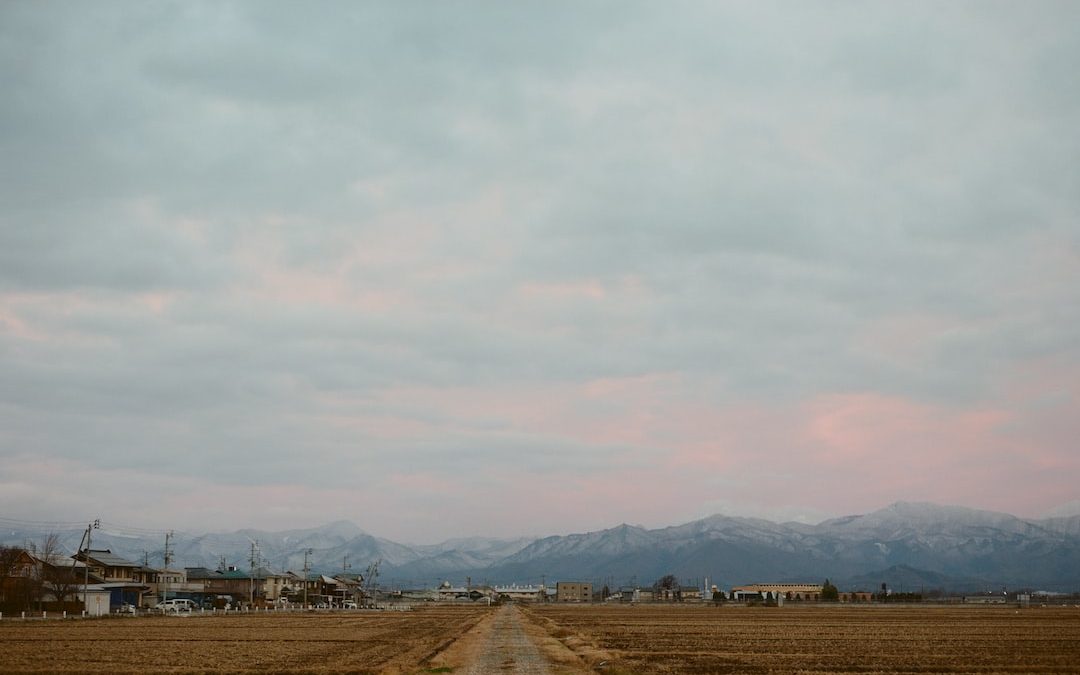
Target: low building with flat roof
785, 591
573, 591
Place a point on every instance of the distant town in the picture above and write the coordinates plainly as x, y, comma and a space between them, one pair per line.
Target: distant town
902, 553
97, 582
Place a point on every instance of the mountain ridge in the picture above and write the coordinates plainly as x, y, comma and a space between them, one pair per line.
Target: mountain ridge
967, 547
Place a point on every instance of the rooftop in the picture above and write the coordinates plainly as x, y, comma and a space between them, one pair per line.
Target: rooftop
108, 558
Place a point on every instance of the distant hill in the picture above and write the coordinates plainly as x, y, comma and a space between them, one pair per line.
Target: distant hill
906, 579
914, 544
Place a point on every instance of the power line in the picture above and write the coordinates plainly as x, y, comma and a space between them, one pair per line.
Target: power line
106, 525
67, 524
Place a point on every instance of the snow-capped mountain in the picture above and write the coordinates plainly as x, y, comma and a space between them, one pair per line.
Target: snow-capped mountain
966, 547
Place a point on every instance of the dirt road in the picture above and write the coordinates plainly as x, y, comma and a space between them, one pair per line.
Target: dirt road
508, 649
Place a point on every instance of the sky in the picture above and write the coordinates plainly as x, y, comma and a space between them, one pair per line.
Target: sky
486, 268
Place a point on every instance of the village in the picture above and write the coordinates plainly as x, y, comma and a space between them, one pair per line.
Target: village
97, 582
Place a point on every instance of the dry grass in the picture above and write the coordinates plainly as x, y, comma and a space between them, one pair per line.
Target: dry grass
620, 639
362, 642
703, 639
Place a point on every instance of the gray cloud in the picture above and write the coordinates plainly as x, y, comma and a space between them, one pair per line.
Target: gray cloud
223, 224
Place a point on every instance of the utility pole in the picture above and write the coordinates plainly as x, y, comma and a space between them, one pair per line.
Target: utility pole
254, 547
167, 556
345, 567
307, 554
86, 560
369, 590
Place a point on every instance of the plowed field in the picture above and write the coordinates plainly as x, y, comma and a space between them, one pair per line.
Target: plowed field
820, 639
359, 642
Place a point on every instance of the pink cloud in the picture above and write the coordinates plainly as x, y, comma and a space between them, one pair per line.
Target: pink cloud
681, 453
560, 292
853, 427
41, 315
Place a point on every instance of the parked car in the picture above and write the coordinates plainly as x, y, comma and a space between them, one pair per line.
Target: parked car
175, 605
348, 604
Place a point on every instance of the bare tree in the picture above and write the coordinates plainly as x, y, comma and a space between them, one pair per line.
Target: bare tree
63, 578
54, 573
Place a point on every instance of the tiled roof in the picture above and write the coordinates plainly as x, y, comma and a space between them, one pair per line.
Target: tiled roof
59, 560
204, 573
199, 573
109, 559
796, 588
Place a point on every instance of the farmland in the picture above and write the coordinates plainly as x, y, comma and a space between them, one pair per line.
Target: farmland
560, 639
700, 639
285, 643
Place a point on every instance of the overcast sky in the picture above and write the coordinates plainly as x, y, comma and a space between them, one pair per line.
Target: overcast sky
452, 268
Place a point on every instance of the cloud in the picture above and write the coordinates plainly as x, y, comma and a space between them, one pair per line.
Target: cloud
253, 248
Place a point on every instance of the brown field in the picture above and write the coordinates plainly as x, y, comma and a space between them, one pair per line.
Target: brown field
617, 639
819, 639
361, 642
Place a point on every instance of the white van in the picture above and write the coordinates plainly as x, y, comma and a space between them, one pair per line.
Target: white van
175, 605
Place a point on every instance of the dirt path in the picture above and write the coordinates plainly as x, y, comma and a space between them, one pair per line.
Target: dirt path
508, 649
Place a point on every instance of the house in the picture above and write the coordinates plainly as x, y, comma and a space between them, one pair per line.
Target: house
629, 594
104, 564
517, 593
123, 578
199, 577
791, 592
666, 594
677, 594
316, 589
418, 595
167, 584
573, 591
274, 584
261, 584
291, 588
465, 594
856, 596
350, 588
145, 575
43, 582
690, 594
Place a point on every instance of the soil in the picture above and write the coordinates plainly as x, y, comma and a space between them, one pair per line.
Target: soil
353, 642
507, 649
820, 638
560, 639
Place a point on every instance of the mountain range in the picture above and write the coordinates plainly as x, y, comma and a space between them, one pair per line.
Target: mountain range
912, 545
